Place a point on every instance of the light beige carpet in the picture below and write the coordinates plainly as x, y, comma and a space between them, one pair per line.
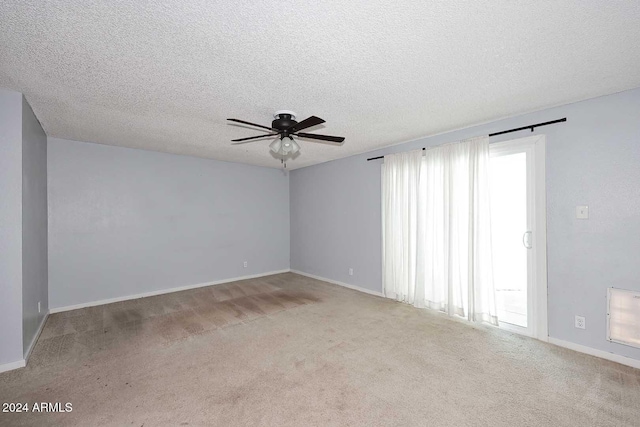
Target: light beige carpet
287, 350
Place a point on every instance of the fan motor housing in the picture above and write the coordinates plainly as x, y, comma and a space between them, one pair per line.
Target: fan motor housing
283, 120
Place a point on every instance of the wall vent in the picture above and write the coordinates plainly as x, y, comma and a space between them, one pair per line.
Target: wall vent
623, 317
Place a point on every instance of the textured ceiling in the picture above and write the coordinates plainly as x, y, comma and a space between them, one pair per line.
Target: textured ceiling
164, 75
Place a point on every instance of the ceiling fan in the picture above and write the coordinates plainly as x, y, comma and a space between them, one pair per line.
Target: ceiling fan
285, 127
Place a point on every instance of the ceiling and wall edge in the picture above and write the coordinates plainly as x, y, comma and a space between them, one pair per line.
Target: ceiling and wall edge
291, 166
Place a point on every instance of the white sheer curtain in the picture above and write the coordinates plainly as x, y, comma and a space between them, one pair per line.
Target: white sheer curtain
437, 229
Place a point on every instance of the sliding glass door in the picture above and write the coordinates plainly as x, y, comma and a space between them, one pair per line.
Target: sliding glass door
517, 234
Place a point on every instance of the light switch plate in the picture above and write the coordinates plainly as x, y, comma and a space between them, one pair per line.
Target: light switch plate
582, 212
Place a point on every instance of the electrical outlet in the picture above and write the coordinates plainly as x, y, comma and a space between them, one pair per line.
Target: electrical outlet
351, 272
580, 322
245, 264
38, 306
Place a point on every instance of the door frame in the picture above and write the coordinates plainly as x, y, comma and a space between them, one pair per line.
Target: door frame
535, 147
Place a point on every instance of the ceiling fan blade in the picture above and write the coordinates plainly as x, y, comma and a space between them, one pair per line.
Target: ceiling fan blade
249, 123
306, 123
255, 137
336, 139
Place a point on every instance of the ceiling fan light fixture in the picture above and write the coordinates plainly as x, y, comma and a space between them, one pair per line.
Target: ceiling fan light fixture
276, 146
294, 146
287, 146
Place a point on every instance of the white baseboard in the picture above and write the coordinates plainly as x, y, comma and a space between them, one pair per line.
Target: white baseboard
22, 363
623, 360
161, 292
35, 337
13, 365
335, 282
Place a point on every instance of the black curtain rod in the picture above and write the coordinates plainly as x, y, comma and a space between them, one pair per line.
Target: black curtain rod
532, 127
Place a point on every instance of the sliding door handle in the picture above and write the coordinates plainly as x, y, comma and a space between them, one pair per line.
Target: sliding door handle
526, 242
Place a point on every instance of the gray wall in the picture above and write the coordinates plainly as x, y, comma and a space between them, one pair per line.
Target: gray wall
34, 225
10, 226
593, 159
336, 221
125, 221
